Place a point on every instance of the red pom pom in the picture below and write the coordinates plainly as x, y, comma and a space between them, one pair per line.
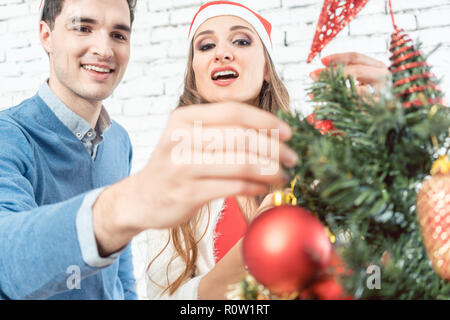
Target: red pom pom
327, 286
324, 126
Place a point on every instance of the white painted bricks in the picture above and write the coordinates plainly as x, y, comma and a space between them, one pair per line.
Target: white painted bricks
152, 83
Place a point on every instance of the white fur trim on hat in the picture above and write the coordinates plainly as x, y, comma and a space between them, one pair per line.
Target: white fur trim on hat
232, 9
41, 9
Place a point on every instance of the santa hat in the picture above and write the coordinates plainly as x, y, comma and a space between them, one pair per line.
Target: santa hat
41, 9
228, 8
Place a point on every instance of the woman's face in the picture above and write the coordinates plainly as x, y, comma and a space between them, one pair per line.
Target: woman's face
228, 60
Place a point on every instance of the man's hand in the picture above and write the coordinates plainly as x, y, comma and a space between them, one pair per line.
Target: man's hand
184, 174
369, 72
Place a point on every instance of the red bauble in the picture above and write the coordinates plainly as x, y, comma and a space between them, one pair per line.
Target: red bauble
327, 286
285, 248
328, 289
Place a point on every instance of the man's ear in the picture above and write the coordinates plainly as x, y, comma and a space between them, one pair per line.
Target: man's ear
45, 35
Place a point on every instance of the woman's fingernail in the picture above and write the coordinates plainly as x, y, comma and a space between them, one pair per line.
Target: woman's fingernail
325, 60
313, 76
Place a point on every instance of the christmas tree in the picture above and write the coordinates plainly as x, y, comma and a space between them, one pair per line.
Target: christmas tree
363, 182
361, 179
362, 163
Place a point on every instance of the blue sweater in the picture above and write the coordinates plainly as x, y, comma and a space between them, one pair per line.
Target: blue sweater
48, 184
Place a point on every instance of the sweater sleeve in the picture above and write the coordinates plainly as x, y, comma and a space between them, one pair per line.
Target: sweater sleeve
126, 274
38, 245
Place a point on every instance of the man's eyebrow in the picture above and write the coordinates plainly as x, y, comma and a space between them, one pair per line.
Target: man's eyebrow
74, 20
122, 27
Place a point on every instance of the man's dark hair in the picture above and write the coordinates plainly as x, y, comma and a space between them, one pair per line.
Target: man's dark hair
52, 9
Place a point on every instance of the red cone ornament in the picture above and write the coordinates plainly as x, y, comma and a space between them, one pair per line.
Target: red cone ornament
285, 248
413, 82
335, 15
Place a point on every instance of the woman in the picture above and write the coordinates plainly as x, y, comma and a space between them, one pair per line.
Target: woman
229, 59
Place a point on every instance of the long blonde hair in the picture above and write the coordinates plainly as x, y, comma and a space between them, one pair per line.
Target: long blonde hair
273, 97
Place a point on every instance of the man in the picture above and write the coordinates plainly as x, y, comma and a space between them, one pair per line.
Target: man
68, 209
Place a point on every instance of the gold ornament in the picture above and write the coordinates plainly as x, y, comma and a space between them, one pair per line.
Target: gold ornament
433, 207
441, 166
283, 197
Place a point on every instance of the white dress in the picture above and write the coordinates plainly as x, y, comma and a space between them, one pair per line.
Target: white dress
157, 276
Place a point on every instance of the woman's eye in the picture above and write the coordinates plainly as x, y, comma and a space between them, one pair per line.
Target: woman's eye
242, 42
207, 46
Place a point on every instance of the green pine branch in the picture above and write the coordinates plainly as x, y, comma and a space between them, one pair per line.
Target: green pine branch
363, 182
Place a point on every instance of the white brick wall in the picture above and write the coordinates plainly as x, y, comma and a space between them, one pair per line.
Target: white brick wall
154, 77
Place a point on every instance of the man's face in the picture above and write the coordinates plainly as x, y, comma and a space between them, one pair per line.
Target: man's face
89, 48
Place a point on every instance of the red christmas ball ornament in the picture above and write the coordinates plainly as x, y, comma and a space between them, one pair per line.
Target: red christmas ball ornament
285, 248
327, 287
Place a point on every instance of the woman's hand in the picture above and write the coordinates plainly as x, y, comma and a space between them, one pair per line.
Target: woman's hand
370, 73
266, 204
